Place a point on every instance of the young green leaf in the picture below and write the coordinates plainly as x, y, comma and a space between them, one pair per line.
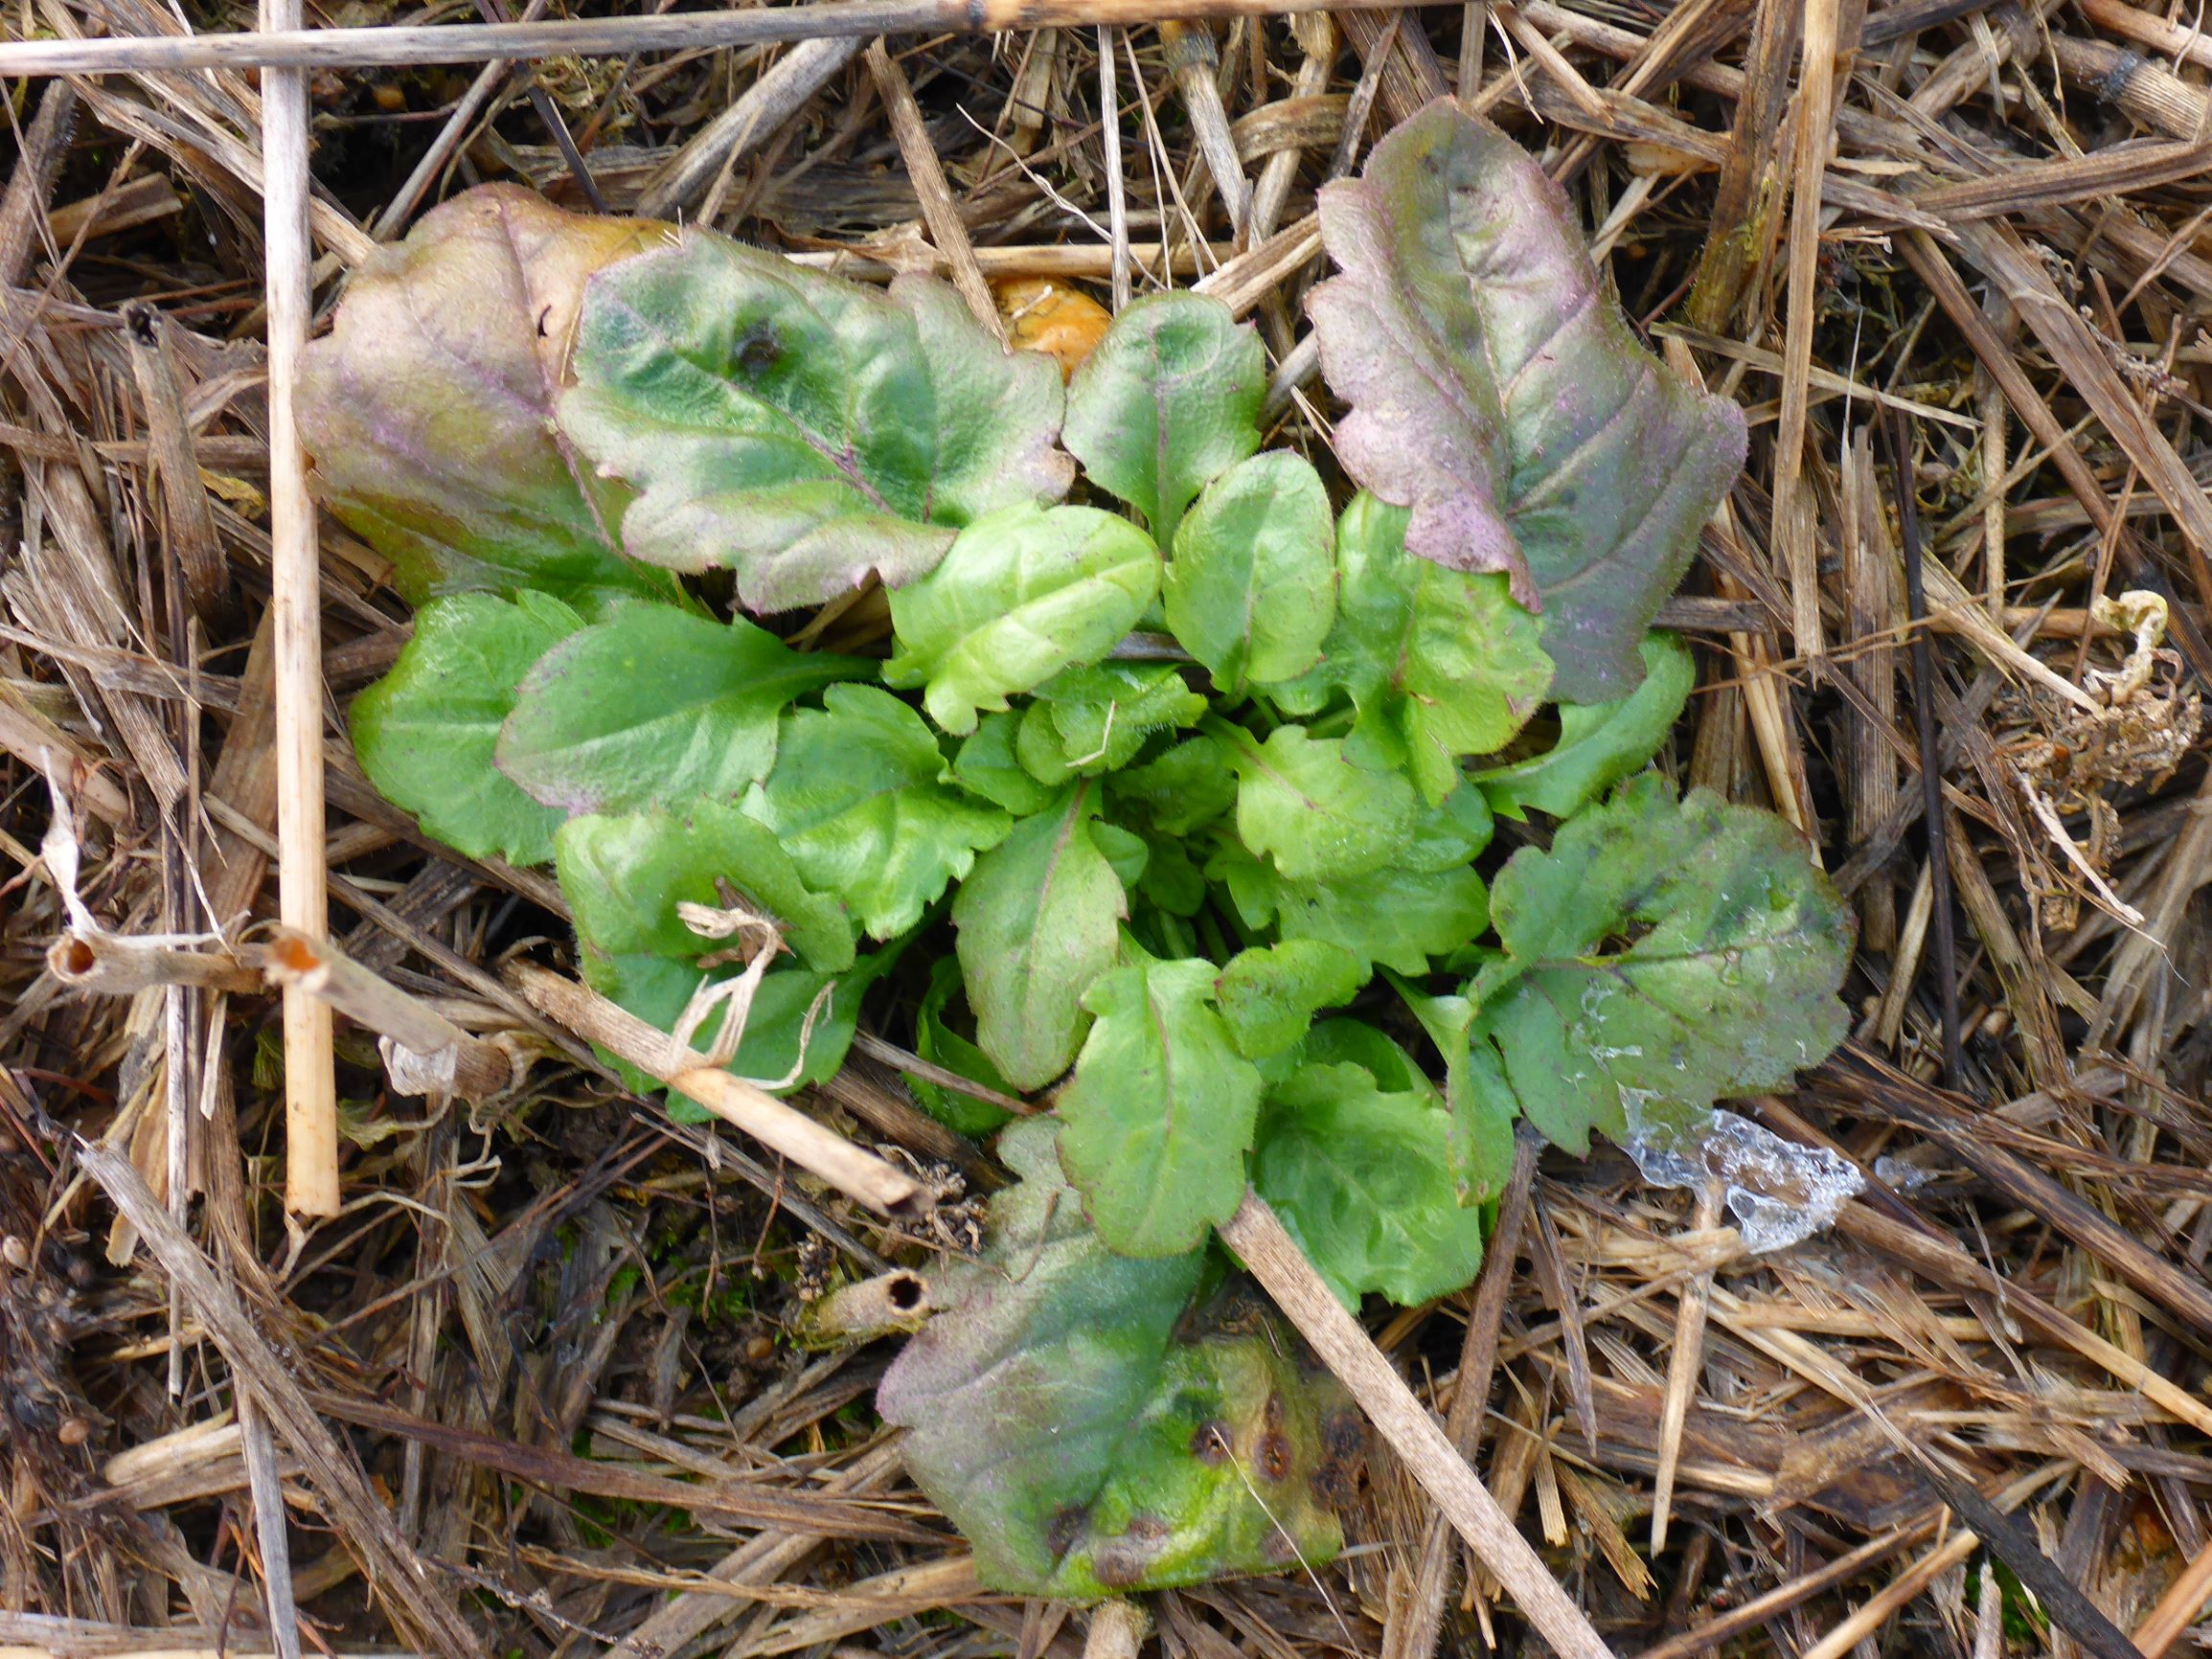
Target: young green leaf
1269, 995
798, 428
1095, 720
1728, 988
428, 408
1251, 590
655, 704
1087, 1432
1500, 395
625, 875
1444, 662
425, 732
1171, 881
1127, 853
1448, 834
1396, 917
1474, 1092
1038, 921
937, 1043
1353, 1042
1186, 789
1599, 743
1362, 1180
987, 764
1157, 1122
1022, 595
1308, 805
1168, 400
862, 799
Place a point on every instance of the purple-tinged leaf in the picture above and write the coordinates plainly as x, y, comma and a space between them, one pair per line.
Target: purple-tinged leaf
1499, 394
429, 409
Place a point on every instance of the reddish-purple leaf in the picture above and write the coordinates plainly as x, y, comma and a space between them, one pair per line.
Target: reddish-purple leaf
1500, 394
429, 409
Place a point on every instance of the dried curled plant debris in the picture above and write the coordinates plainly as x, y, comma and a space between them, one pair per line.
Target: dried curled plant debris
2069, 763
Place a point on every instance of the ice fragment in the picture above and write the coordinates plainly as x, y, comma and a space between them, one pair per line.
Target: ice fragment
1779, 1192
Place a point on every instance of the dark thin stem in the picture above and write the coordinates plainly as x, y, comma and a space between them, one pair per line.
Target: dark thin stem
542, 102
549, 116
2012, 1543
1930, 759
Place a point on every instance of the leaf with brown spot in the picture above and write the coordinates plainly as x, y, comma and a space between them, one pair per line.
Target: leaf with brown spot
1087, 1431
798, 429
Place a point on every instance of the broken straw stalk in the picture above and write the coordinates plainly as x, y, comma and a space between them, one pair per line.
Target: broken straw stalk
603, 37
115, 965
1260, 1241
295, 603
823, 1152
425, 1050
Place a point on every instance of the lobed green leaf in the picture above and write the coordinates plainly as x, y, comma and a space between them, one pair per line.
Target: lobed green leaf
1313, 807
1441, 664
1093, 720
1362, 1179
1738, 946
864, 804
802, 430
1395, 915
1022, 595
655, 705
935, 1041
1353, 1042
1181, 789
1268, 996
1156, 1122
1251, 591
1167, 401
1474, 1095
1038, 921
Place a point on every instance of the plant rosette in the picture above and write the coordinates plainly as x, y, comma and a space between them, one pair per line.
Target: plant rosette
1175, 798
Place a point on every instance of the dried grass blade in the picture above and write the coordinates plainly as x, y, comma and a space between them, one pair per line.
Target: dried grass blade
402, 45
400, 1578
1793, 528
1259, 1239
